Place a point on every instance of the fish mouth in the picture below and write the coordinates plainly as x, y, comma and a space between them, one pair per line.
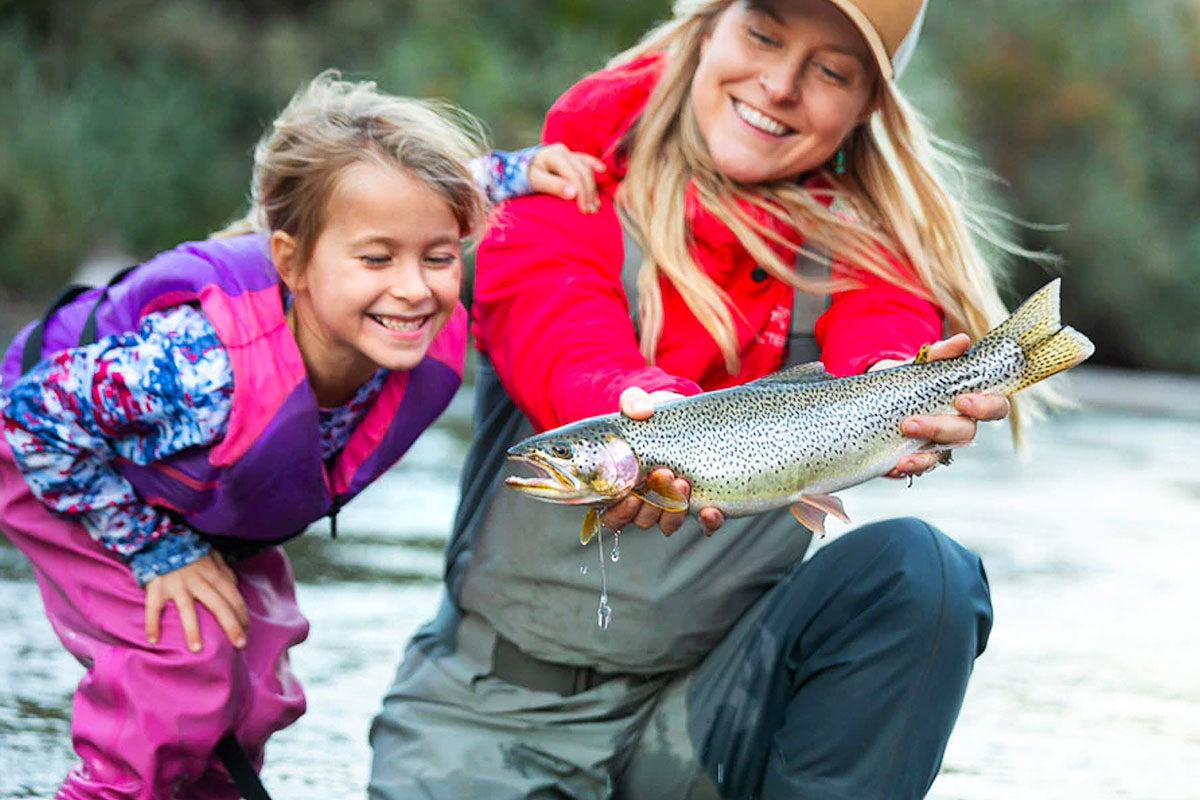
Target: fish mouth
550, 482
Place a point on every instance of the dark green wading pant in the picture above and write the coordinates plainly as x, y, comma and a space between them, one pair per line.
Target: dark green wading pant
843, 681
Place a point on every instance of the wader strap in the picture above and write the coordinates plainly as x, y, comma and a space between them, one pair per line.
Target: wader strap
230, 751
31, 354
801, 344
630, 267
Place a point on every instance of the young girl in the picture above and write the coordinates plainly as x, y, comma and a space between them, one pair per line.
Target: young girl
163, 433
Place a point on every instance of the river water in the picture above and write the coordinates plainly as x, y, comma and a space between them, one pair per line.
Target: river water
1090, 687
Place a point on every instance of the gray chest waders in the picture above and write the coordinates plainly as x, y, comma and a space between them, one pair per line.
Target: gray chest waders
517, 563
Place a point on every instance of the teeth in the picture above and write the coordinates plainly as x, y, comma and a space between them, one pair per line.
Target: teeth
398, 324
759, 120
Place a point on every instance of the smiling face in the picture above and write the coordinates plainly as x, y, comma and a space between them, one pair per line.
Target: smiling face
780, 84
382, 280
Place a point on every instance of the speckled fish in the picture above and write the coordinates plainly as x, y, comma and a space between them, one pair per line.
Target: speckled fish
793, 437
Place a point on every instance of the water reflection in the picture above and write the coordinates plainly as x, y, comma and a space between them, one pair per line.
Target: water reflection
1088, 687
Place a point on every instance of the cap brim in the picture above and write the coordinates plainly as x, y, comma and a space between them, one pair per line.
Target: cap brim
869, 34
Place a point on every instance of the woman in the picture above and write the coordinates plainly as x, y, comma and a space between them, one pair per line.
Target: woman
736, 137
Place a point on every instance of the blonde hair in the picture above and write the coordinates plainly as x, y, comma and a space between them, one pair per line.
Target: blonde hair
331, 124
890, 200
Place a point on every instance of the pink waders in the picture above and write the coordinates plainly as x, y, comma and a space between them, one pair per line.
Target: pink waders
147, 717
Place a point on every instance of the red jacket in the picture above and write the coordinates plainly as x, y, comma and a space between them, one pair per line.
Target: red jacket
551, 314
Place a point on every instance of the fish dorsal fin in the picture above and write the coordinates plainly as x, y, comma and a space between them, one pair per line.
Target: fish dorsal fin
811, 372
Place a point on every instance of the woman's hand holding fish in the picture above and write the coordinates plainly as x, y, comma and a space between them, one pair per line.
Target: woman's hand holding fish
639, 404
948, 428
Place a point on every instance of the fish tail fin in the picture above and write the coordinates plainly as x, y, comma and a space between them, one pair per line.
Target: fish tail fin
1049, 346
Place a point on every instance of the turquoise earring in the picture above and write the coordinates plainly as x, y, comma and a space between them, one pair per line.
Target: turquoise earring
839, 163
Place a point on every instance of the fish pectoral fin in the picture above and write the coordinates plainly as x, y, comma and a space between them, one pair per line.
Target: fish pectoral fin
922, 355
827, 503
661, 493
591, 526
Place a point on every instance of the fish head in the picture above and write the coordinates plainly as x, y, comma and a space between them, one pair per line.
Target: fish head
576, 465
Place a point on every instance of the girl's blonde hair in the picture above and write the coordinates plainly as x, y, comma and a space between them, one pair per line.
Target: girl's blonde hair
331, 124
889, 200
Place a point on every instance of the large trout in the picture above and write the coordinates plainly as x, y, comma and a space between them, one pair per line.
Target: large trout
793, 437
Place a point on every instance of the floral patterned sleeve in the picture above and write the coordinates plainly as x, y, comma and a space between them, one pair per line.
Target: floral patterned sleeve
140, 396
503, 175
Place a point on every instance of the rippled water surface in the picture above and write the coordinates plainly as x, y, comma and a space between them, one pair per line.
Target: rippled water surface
1090, 687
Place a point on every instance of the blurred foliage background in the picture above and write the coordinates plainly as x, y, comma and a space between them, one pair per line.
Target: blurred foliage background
127, 124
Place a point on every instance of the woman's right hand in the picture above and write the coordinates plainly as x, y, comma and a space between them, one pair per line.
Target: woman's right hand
208, 580
639, 404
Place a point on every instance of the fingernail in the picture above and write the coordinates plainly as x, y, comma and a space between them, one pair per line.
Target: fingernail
912, 426
239, 641
194, 647
153, 640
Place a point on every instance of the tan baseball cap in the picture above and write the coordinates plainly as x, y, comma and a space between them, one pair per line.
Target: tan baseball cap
890, 28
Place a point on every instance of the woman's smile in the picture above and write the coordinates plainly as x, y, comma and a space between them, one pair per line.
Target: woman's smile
760, 121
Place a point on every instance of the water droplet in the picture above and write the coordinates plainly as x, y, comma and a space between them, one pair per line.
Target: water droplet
603, 614
910, 477
616, 551
720, 774
582, 568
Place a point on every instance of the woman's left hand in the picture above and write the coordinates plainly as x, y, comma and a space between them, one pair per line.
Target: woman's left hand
567, 174
948, 428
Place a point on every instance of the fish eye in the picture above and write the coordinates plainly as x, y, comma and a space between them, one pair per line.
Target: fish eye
560, 450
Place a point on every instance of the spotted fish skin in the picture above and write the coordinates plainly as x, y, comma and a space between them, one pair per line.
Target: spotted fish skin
802, 432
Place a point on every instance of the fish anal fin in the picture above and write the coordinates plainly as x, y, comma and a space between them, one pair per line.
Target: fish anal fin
825, 502
591, 526
660, 491
810, 517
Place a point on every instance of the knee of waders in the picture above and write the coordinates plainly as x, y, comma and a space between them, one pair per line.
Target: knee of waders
933, 585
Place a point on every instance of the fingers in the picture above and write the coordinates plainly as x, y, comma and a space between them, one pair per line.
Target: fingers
913, 465
220, 607
984, 407
154, 607
187, 618
227, 587
620, 514
940, 428
635, 403
558, 171
711, 519
208, 580
956, 345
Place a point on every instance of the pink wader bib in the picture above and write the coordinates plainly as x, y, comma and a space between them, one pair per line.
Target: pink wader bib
147, 717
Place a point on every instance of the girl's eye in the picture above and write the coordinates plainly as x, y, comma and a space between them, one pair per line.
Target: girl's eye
762, 38
440, 260
375, 260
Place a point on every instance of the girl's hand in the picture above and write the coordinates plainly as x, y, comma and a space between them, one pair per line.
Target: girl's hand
564, 173
638, 404
213, 583
948, 428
